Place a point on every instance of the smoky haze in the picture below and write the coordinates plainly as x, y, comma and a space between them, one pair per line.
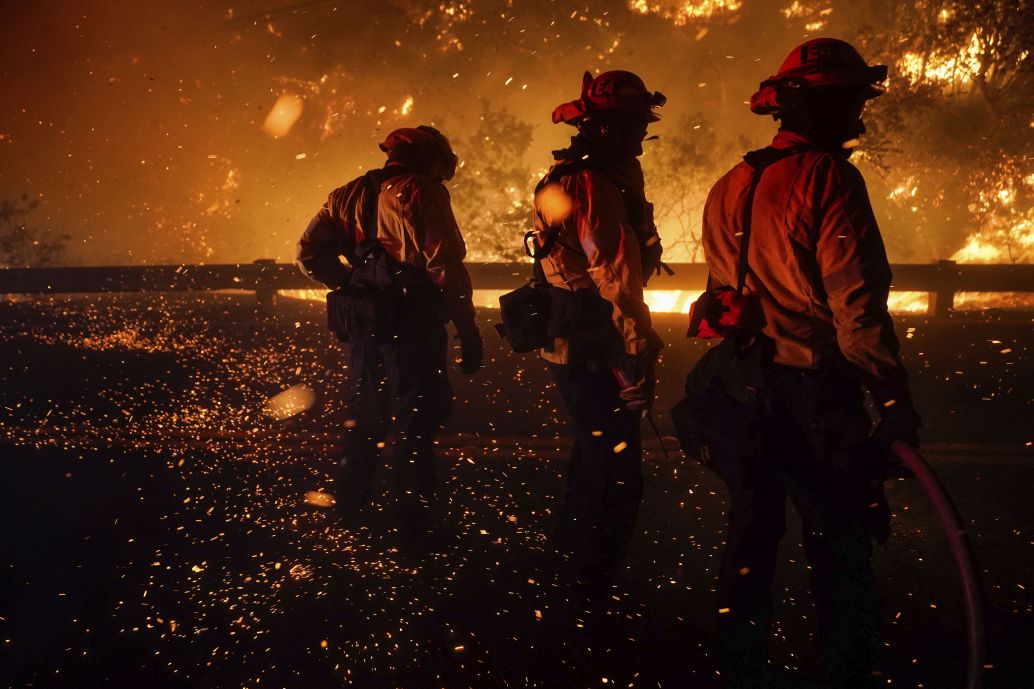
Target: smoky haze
143, 130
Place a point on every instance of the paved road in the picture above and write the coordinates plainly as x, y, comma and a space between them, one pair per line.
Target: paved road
157, 533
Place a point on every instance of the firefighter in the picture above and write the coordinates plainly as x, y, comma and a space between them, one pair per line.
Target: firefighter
817, 266
398, 381
593, 231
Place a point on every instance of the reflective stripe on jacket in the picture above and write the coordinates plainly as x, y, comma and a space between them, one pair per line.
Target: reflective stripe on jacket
415, 224
817, 262
596, 249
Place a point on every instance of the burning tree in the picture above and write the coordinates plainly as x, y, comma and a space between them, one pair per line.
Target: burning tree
493, 187
679, 170
954, 129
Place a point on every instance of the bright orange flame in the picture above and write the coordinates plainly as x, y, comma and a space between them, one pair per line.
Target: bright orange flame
682, 12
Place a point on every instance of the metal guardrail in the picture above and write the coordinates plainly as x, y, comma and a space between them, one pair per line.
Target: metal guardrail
942, 280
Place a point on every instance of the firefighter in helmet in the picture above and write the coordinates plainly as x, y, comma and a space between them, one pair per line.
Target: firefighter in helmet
396, 337
817, 266
596, 244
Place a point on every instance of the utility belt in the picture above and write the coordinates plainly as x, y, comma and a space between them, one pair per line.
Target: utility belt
384, 313
535, 315
585, 320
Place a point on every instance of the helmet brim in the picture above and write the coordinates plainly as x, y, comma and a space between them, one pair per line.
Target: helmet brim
775, 92
570, 113
574, 112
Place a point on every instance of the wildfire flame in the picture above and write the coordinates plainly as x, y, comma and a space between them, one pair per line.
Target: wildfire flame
682, 13
946, 68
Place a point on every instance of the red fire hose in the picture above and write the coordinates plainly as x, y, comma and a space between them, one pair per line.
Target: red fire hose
962, 552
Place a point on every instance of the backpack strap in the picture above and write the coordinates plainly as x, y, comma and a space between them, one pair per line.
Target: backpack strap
759, 161
368, 211
555, 174
372, 182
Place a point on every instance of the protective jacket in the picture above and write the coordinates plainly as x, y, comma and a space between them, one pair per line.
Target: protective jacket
415, 225
817, 263
597, 247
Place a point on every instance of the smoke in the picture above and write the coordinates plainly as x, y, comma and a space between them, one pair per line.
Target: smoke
212, 132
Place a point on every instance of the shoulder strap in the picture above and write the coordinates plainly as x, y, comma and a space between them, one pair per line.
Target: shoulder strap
556, 172
759, 161
368, 212
372, 182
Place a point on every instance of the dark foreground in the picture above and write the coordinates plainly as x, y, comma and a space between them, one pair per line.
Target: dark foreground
156, 533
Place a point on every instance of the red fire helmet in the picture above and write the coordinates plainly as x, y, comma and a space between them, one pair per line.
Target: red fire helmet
818, 64
614, 91
422, 147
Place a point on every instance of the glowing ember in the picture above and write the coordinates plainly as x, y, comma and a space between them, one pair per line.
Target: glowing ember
290, 402
319, 498
283, 116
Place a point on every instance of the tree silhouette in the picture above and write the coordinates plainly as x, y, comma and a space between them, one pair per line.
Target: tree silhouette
494, 187
953, 133
23, 245
679, 170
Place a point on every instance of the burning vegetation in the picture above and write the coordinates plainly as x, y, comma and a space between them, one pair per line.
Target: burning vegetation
212, 134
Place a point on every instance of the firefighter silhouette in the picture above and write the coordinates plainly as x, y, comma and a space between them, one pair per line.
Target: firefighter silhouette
596, 245
406, 280
817, 269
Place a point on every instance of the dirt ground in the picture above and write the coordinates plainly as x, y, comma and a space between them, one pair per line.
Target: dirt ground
157, 534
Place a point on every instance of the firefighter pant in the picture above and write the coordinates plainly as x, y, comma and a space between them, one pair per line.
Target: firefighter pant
811, 447
399, 395
604, 477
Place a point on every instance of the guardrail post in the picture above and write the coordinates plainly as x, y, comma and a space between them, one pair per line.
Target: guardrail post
942, 302
265, 290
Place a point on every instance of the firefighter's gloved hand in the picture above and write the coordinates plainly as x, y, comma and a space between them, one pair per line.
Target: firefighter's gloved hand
897, 423
639, 395
650, 255
472, 352
638, 376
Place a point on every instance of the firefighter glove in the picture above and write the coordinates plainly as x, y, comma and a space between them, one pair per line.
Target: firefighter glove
638, 376
898, 423
639, 395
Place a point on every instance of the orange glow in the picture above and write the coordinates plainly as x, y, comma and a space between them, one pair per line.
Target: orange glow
319, 499
291, 402
681, 13
679, 301
283, 116
554, 204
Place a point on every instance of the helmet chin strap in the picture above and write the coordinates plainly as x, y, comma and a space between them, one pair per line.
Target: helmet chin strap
608, 139
837, 135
